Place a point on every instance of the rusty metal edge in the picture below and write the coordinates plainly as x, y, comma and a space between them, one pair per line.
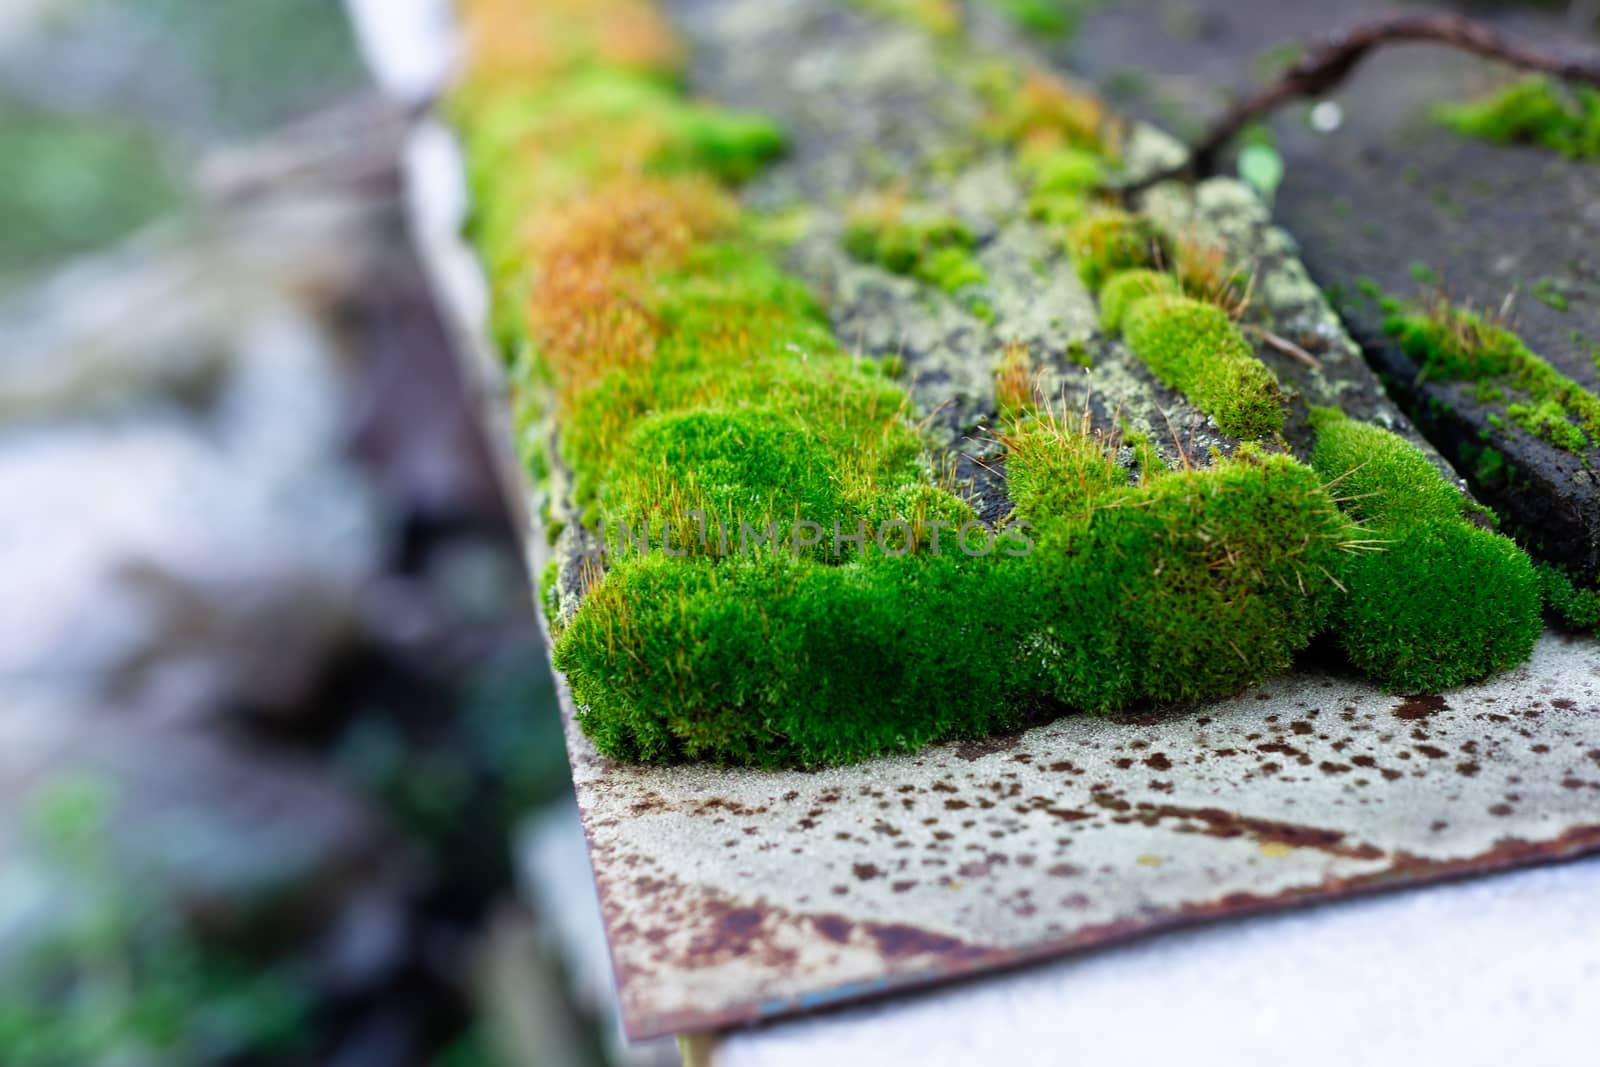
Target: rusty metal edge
1508, 854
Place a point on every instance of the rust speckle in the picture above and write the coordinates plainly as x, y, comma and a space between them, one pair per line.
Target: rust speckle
898, 940
1219, 823
1422, 707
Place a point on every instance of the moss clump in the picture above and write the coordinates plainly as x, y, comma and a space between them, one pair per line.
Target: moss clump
1456, 343
934, 247
1186, 585
771, 660
1127, 288
1194, 347
1441, 605
1535, 110
1435, 602
1109, 241
1171, 587
1576, 606
1384, 479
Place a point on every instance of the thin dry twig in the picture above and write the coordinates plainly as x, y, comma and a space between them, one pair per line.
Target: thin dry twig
1284, 345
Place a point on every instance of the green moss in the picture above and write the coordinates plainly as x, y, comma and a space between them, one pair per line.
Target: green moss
1441, 604
1127, 288
1051, 168
1385, 479
1545, 291
1535, 110
735, 410
1195, 348
1548, 420
1185, 586
1058, 209
1450, 342
915, 240
547, 587
1432, 601
1490, 468
1050, 19
1577, 607
1189, 585
1108, 242
951, 269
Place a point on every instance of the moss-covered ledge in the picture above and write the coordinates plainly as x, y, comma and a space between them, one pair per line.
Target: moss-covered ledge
751, 500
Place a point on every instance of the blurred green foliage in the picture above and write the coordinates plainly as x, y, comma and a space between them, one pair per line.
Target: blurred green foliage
119, 977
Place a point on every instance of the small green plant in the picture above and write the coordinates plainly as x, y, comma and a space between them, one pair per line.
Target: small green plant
1549, 294
1536, 110
1195, 348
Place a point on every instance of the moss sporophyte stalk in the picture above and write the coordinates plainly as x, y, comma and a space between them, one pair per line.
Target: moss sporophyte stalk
699, 397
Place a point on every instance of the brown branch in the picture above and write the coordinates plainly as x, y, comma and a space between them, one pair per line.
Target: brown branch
1328, 62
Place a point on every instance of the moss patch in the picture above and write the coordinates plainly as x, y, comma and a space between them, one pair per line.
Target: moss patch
1108, 242
1433, 601
1127, 288
1194, 347
911, 239
1578, 607
1536, 110
699, 394
1457, 343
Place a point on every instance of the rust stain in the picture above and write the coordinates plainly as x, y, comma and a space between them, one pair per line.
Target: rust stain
1216, 822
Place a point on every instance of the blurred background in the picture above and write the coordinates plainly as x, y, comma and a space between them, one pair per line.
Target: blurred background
278, 741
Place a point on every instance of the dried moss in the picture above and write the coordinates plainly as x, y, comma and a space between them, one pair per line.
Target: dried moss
1194, 347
